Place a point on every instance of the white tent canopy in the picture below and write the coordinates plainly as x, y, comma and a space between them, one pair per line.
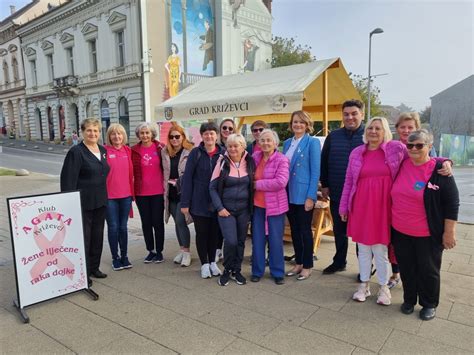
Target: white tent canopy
317, 87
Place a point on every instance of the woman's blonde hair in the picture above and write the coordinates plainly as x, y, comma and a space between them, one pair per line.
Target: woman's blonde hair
236, 138
90, 121
409, 116
116, 127
305, 117
186, 143
387, 134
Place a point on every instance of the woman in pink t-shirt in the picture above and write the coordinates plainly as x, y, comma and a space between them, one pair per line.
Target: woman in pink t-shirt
120, 194
425, 207
148, 187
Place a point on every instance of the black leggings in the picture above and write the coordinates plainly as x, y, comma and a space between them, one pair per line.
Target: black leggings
206, 237
151, 210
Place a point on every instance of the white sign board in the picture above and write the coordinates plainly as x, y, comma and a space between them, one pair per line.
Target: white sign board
48, 246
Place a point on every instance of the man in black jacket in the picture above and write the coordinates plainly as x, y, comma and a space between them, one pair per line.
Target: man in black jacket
334, 160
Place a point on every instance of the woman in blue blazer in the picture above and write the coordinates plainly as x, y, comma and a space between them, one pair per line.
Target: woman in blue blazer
304, 153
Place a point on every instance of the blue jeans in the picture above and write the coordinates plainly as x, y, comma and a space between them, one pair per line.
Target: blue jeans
276, 227
181, 227
117, 220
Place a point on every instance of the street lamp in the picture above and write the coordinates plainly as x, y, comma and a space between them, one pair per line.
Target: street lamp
374, 32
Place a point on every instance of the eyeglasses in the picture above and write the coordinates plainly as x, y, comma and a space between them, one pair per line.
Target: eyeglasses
255, 130
228, 128
178, 136
418, 146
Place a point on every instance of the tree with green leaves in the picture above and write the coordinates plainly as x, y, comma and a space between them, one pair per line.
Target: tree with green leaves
285, 51
425, 115
360, 84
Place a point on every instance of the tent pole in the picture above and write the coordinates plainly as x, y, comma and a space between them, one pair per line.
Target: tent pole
325, 104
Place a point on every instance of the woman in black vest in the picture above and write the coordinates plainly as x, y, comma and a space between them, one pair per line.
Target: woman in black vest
85, 168
231, 190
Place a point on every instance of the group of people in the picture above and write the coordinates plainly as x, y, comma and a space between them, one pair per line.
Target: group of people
395, 201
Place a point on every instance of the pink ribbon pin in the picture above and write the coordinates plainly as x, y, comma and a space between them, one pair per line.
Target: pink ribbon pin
431, 186
43, 243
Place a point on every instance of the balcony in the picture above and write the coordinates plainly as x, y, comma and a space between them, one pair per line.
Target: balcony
17, 84
66, 85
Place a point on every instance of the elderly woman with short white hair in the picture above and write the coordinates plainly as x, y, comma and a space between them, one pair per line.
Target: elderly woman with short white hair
149, 190
231, 190
425, 208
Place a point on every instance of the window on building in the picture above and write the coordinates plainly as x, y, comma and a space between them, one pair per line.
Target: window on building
120, 48
49, 59
93, 52
34, 76
5, 72
16, 75
70, 60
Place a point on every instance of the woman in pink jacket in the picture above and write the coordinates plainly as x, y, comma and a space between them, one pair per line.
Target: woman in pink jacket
270, 206
366, 204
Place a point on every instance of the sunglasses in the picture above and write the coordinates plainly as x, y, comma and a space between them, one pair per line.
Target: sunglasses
418, 146
175, 137
228, 128
255, 130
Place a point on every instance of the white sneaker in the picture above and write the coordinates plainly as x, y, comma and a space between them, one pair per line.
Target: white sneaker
215, 271
384, 296
186, 259
363, 291
218, 255
205, 271
178, 258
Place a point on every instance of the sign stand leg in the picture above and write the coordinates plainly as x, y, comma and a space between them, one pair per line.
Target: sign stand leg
22, 312
92, 293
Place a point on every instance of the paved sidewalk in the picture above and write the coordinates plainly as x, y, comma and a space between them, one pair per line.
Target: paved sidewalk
163, 308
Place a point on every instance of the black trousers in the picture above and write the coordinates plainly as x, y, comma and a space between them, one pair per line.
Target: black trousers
340, 235
206, 237
151, 210
234, 231
301, 234
93, 223
419, 260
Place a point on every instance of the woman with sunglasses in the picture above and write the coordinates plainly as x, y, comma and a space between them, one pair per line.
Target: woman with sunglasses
256, 128
226, 128
425, 207
174, 157
366, 198
407, 123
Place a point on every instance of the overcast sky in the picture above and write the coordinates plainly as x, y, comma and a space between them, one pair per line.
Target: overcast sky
426, 46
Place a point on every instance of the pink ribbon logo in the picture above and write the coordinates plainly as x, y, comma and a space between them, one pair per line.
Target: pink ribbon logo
432, 186
47, 247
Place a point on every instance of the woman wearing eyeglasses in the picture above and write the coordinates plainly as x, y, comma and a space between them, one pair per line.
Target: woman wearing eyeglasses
174, 157
424, 210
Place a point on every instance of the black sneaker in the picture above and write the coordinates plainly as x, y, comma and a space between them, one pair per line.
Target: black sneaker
237, 277
117, 265
255, 278
331, 269
126, 263
223, 280
158, 258
149, 257
279, 280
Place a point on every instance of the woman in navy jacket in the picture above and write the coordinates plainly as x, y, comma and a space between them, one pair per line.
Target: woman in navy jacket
304, 153
195, 198
85, 168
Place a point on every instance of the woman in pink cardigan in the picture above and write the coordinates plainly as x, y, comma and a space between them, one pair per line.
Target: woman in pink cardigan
366, 203
270, 206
